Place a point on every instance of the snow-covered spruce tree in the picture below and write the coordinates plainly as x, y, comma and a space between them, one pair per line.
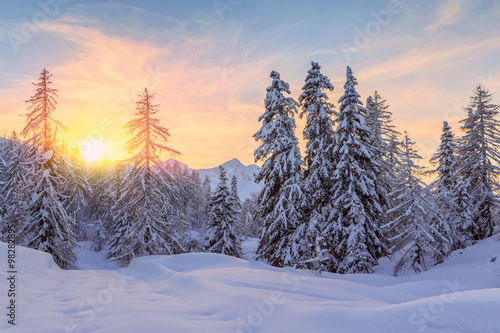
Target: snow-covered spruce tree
48, 226
382, 134
445, 160
393, 150
234, 194
221, 230
379, 121
414, 228
317, 182
352, 234
281, 198
463, 225
13, 199
479, 158
141, 227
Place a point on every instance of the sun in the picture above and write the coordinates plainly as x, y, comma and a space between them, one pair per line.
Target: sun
92, 150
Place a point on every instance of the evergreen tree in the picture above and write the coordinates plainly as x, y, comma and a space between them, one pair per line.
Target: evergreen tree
379, 121
48, 226
479, 159
221, 236
464, 227
281, 198
393, 151
141, 225
352, 234
317, 183
382, 138
234, 194
414, 228
445, 160
13, 200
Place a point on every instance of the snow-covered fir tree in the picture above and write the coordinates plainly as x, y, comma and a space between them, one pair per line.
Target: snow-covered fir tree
352, 234
479, 159
382, 135
141, 213
221, 230
281, 198
415, 229
445, 160
379, 121
48, 226
393, 150
13, 199
234, 194
317, 182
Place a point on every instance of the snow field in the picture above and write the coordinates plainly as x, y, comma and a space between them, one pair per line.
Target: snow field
202, 292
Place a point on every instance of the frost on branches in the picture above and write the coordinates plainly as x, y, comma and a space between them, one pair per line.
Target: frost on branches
221, 230
143, 225
281, 199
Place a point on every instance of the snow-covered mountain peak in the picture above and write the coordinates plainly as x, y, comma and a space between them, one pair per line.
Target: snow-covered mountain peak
234, 163
245, 174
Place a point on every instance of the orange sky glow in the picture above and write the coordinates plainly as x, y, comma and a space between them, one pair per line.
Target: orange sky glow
211, 103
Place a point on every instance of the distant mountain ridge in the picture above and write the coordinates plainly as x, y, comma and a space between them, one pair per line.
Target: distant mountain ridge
244, 173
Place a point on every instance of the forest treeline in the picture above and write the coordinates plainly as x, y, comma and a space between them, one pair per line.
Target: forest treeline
355, 196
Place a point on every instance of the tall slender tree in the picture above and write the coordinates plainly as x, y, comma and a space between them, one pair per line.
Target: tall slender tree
382, 138
352, 233
48, 226
142, 227
317, 183
479, 159
281, 198
445, 161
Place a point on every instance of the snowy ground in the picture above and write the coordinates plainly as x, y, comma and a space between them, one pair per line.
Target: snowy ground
214, 293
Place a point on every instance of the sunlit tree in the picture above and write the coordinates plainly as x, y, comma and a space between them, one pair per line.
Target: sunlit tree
48, 226
142, 226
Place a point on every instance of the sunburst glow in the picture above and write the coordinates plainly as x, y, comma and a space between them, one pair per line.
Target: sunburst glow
93, 151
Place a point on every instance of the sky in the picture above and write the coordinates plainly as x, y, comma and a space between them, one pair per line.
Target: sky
208, 63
